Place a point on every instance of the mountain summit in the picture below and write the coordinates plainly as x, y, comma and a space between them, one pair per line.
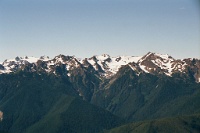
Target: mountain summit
105, 65
91, 95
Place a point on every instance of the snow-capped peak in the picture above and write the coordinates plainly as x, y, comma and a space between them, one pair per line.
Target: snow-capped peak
110, 65
164, 56
105, 65
26, 58
103, 57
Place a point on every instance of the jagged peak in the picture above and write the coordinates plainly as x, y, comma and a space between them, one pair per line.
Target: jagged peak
103, 57
151, 55
63, 58
94, 58
146, 56
44, 57
18, 58
21, 59
164, 56
59, 56
149, 63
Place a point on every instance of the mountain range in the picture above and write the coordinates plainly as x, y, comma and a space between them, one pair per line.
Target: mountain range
68, 94
104, 65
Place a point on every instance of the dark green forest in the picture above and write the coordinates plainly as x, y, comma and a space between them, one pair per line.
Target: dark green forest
39, 102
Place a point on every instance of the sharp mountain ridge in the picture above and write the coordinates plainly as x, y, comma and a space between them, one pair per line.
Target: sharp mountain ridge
104, 65
66, 89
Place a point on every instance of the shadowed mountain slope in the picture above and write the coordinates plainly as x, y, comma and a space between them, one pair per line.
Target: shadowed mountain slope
184, 124
46, 103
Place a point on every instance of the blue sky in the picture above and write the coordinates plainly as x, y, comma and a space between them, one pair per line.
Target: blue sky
92, 27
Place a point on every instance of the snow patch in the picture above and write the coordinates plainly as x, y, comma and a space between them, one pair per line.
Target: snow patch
164, 56
133, 68
111, 65
103, 57
143, 68
31, 59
